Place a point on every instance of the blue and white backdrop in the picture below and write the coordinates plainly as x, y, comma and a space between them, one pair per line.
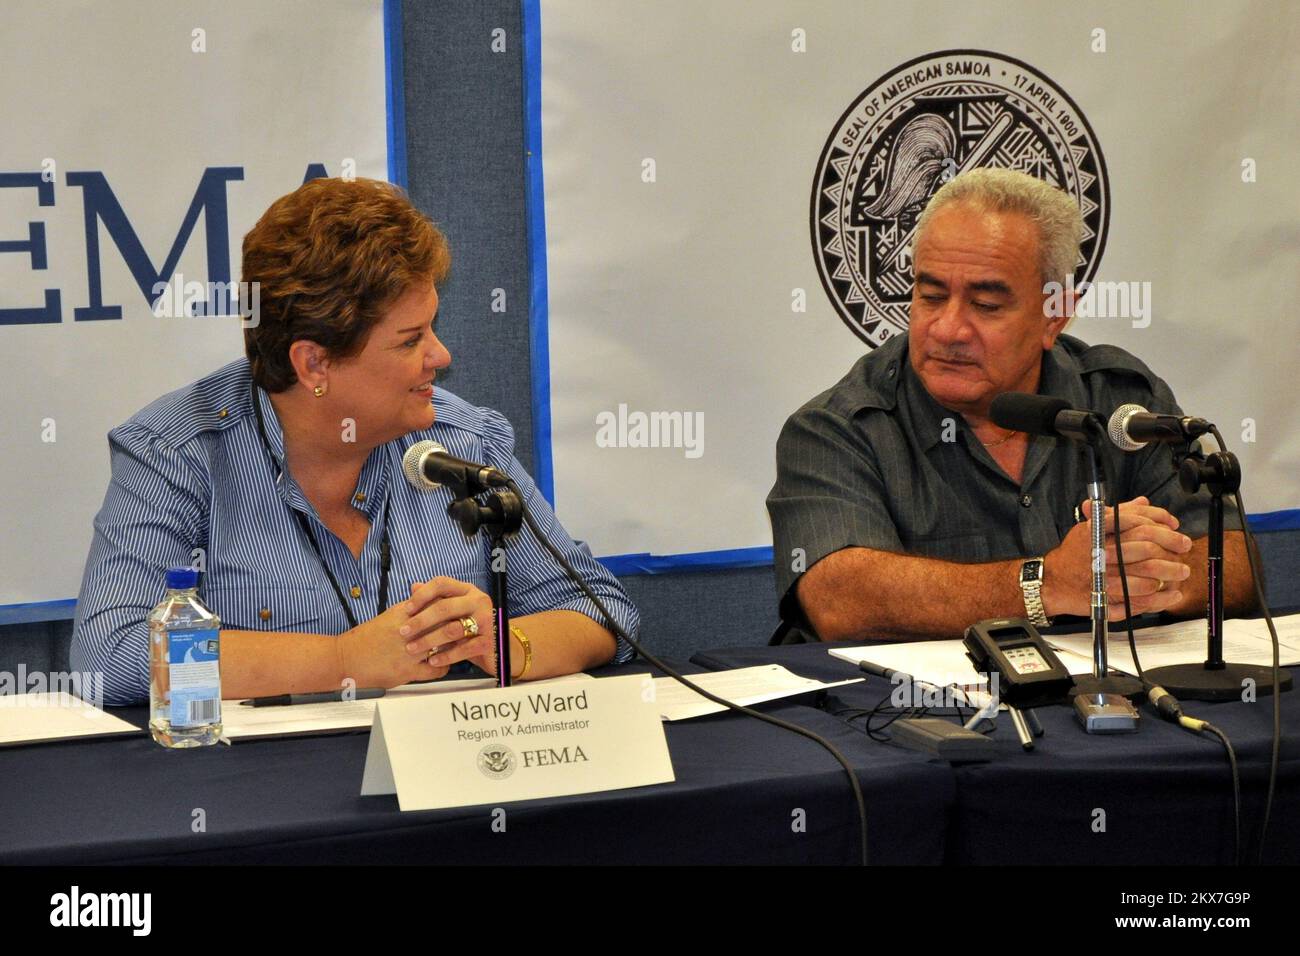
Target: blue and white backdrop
141, 142
729, 191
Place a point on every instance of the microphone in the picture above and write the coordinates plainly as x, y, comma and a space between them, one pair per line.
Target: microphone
428, 466
1043, 415
1132, 427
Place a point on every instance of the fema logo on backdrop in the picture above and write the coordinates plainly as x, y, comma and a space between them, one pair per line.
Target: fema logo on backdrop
909, 133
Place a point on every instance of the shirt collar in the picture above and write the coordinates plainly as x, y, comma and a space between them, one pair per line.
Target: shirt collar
372, 484
272, 433
927, 415
1060, 377
873, 381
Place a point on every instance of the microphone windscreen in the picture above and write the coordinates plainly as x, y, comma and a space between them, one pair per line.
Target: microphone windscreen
411, 464
1035, 414
1117, 428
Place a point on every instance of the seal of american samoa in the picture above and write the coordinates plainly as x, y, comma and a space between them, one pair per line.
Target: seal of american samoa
909, 133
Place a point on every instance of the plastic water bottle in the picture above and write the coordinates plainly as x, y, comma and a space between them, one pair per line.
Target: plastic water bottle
184, 668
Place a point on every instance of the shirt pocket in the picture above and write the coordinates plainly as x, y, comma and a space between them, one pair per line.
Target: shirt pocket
264, 608
463, 561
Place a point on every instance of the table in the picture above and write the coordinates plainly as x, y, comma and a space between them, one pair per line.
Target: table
1165, 794
295, 800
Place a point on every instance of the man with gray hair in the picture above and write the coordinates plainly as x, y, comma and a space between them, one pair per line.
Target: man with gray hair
901, 511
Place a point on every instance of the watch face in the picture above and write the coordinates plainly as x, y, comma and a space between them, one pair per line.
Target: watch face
1031, 572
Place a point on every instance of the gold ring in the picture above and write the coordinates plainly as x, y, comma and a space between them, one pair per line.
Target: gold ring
1162, 586
469, 626
428, 658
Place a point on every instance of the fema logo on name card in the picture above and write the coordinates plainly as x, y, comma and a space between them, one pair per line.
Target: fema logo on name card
909, 133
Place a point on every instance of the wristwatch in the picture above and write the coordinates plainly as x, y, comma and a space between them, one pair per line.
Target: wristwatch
1031, 585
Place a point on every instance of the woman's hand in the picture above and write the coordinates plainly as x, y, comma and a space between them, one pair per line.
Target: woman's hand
393, 648
436, 632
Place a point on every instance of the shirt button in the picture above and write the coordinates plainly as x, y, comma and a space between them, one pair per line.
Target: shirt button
892, 370
360, 497
1026, 500
265, 614
356, 591
223, 413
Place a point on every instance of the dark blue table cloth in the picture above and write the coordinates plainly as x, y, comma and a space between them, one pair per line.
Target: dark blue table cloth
739, 786
1163, 794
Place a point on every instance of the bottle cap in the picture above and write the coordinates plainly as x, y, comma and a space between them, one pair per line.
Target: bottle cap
182, 579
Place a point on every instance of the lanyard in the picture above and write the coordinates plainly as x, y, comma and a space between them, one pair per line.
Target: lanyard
384, 554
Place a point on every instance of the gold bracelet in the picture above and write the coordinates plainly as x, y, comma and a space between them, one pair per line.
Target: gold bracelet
528, 651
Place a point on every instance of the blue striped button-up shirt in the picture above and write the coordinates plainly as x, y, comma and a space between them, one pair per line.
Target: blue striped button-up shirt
193, 484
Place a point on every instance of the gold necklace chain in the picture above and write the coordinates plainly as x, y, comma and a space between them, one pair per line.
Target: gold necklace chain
994, 444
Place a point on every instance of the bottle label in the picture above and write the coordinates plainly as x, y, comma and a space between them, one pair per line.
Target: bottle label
195, 678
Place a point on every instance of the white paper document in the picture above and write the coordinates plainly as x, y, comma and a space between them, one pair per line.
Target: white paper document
240, 721
934, 662
744, 685
1288, 631
1244, 642
939, 664
40, 718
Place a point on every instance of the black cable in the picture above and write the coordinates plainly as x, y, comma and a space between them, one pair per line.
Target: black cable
849, 714
1258, 579
1236, 790
875, 732
907, 713
654, 661
1168, 707
1148, 686
961, 712
1123, 578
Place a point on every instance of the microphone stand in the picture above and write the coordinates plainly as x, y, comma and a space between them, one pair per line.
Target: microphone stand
1100, 601
1102, 700
1215, 679
501, 514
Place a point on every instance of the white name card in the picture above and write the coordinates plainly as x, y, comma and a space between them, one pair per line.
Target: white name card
518, 743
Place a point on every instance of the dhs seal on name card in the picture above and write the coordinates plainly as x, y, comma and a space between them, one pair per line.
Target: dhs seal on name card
494, 745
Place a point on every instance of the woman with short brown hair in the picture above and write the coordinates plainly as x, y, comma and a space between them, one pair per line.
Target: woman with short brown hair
282, 470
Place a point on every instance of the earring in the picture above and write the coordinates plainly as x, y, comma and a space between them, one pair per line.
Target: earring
318, 391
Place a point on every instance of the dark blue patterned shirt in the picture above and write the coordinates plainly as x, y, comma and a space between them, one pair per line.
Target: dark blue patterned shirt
875, 462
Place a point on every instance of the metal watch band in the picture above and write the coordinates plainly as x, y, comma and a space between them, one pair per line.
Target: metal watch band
1032, 589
